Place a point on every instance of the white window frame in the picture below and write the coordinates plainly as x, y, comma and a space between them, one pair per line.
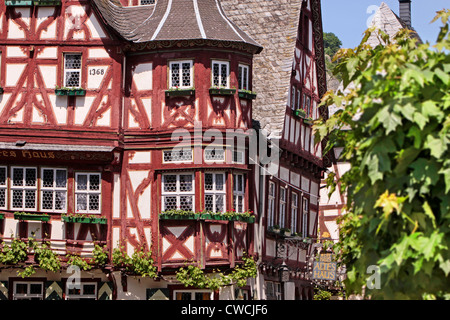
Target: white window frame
294, 211
72, 70
305, 222
193, 292
215, 192
24, 188
88, 192
273, 290
54, 189
180, 75
244, 77
176, 149
292, 95
271, 204
221, 63
238, 193
282, 208
28, 295
4, 187
81, 285
177, 193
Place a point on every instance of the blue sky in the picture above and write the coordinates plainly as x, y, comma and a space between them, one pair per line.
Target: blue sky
348, 18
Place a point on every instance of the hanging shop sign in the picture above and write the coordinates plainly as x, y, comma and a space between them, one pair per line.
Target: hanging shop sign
325, 268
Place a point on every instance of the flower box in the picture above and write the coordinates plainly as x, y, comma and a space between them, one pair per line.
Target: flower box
70, 92
308, 121
18, 3
31, 216
180, 92
247, 95
179, 216
46, 3
92, 220
300, 113
2, 216
222, 91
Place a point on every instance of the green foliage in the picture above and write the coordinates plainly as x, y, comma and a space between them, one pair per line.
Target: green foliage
46, 258
100, 255
14, 253
77, 260
331, 43
140, 263
194, 276
395, 130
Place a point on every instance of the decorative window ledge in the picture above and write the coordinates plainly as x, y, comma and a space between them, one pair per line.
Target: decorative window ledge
92, 220
70, 92
221, 92
31, 216
247, 95
179, 92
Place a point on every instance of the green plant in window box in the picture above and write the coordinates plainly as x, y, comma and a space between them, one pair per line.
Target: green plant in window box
44, 3
221, 91
286, 232
177, 92
247, 94
18, 3
31, 216
69, 91
308, 120
83, 218
300, 113
178, 214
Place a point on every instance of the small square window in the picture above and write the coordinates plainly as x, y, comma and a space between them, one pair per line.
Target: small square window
72, 70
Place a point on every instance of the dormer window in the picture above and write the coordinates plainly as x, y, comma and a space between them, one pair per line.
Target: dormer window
220, 74
181, 74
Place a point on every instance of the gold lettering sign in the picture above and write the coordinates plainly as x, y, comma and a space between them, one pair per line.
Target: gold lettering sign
324, 270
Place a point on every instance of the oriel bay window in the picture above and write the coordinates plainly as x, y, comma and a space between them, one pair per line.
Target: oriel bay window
178, 192
215, 193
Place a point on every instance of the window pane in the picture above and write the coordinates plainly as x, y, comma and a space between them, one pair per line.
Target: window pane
208, 181
30, 177
175, 75
17, 177
35, 288
170, 183
2, 176
94, 202
47, 178
186, 74
60, 200
82, 201
216, 74
185, 183
21, 288
220, 203
89, 289
219, 182
17, 199
47, 200
94, 182
224, 74
170, 203
82, 182
186, 203
72, 79
30, 199
61, 178
2, 198
72, 61
209, 204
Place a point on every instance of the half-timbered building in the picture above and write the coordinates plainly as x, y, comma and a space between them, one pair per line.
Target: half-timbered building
94, 97
289, 76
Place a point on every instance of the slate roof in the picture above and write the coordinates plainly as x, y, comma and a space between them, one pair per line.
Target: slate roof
172, 20
386, 20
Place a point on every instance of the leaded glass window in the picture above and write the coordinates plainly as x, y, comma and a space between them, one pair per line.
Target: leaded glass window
53, 189
178, 192
88, 192
181, 74
215, 193
238, 192
23, 188
3, 187
72, 70
220, 74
